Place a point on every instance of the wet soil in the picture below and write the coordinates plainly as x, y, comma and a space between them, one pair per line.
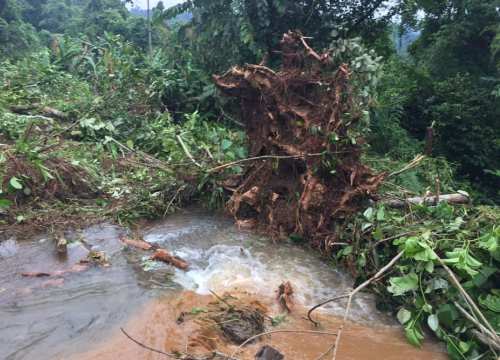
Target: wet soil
156, 326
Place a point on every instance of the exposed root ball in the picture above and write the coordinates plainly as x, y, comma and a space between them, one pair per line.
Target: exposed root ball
307, 112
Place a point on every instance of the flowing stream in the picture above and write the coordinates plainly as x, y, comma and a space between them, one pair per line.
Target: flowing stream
76, 313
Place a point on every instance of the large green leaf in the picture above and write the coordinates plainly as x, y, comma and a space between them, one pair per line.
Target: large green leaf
414, 335
403, 316
490, 302
16, 183
403, 284
5, 203
433, 322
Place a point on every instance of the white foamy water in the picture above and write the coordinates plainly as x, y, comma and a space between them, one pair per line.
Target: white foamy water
224, 259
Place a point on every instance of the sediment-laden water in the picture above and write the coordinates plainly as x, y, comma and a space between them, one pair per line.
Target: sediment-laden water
76, 313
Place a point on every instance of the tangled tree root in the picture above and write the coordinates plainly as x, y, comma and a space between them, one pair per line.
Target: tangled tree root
305, 122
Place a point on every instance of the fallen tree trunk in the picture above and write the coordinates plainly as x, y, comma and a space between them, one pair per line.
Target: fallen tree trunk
54, 113
45, 110
23, 109
428, 200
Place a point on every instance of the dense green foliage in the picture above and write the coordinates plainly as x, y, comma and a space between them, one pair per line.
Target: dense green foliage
451, 80
141, 131
466, 240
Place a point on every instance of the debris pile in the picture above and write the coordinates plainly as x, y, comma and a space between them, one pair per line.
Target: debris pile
46, 179
304, 122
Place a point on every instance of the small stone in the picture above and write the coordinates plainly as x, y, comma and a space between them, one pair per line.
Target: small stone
268, 353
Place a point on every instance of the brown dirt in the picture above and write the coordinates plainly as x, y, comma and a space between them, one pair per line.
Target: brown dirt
158, 326
307, 112
66, 180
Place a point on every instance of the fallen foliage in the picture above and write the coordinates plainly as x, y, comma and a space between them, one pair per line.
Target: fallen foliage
44, 178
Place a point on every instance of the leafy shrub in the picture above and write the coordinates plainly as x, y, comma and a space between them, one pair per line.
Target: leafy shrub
466, 239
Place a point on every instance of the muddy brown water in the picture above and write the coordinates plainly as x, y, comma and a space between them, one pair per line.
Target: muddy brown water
78, 314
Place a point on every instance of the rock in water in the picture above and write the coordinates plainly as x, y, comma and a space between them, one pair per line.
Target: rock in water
240, 324
268, 353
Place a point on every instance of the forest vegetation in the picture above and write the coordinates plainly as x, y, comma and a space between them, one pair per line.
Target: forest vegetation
96, 122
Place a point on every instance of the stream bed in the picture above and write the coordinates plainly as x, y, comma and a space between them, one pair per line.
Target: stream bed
77, 312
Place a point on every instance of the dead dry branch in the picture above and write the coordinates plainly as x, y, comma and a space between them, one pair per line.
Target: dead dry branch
350, 297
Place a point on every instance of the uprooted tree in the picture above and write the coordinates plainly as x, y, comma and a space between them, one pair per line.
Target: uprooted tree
306, 121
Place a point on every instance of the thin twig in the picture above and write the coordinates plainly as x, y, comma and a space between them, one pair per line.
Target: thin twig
354, 292
280, 331
489, 334
264, 157
148, 347
470, 302
414, 163
394, 237
323, 304
322, 356
186, 151
181, 188
156, 162
492, 344
221, 299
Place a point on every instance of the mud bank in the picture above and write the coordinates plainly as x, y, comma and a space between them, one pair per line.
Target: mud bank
157, 325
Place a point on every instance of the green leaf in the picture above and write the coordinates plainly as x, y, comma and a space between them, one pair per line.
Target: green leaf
381, 214
429, 267
368, 214
345, 251
5, 203
197, 310
464, 346
461, 259
490, 302
447, 314
433, 322
378, 234
491, 243
427, 308
403, 284
436, 284
403, 316
226, 144
15, 183
414, 336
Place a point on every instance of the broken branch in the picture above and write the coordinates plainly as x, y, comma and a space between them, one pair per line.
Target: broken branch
148, 347
264, 157
165, 256
186, 151
430, 200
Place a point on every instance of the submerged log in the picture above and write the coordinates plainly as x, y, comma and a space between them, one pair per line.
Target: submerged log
459, 198
165, 256
139, 244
